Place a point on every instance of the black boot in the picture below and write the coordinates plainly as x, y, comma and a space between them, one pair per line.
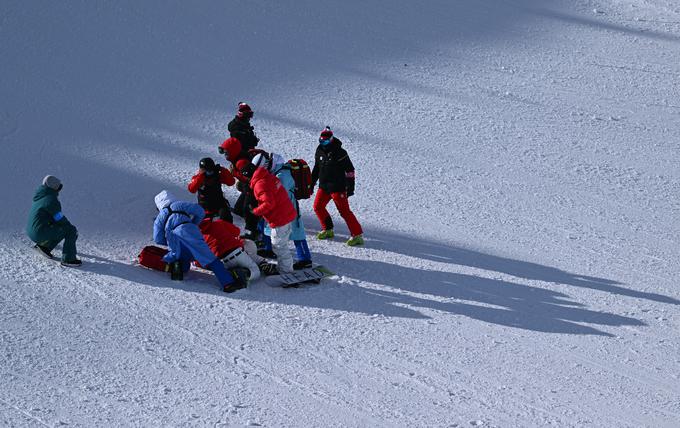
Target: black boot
176, 273
302, 264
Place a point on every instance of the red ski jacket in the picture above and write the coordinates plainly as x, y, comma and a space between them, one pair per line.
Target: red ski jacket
221, 236
198, 179
273, 203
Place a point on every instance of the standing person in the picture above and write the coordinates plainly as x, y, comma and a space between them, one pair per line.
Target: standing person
47, 226
240, 127
334, 171
281, 170
234, 151
177, 227
274, 206
208, 183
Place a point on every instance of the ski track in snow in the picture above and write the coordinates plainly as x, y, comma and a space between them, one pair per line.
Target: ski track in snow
517, 182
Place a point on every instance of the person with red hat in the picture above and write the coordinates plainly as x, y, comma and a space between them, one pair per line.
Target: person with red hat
274, 206
240, 127
233, 151
334, 172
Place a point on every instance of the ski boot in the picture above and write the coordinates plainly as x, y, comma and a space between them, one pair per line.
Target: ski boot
302, 264
325, 234
241, 276
355, 241
71, 263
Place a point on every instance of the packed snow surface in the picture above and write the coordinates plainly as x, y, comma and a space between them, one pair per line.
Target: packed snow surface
517, 181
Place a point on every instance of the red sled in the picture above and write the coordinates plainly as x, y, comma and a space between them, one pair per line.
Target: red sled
152, 257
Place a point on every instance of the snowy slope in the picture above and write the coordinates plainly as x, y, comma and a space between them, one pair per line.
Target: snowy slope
517, 183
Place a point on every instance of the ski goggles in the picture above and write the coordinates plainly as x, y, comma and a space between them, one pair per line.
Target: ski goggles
324, 142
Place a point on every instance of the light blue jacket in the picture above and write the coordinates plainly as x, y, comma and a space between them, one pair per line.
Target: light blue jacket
282, 172
177, 226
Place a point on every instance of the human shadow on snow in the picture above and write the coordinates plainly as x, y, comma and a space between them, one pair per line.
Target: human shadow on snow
404, 244
375, 287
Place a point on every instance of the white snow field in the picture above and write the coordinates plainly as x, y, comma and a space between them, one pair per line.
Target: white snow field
518, 182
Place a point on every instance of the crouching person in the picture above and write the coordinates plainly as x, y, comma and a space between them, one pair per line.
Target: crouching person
223, 239
177, 227
47, 226
274, 206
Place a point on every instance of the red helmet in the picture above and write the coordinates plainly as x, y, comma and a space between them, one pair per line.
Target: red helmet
230, 148
244, 111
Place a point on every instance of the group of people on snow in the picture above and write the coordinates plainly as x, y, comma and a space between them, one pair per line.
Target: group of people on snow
204, 232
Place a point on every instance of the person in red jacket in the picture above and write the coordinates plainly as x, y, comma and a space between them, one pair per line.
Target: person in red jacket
208, 183
223, 239
274, 206
233, 151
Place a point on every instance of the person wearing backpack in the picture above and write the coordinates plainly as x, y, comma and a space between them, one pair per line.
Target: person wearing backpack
334, 172
282, 170
47, 226
273, 205
177, 227
207, 183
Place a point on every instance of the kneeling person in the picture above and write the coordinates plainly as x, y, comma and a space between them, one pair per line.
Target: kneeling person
223, 239
47, 226
177, 227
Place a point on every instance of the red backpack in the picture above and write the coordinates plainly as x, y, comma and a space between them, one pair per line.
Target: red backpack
302, 176
152, 257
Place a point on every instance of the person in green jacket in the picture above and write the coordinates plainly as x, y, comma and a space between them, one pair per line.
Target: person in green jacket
47, 226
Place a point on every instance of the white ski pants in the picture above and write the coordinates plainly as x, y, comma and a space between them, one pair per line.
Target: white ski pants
245, 257
284, 258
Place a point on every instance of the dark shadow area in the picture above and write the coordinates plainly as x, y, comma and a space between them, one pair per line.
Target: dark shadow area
420, 248
402, 291
602, 25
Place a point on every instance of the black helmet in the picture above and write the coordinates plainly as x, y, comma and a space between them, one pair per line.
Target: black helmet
207, 164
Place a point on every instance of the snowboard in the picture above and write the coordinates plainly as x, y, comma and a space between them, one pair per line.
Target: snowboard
294, 279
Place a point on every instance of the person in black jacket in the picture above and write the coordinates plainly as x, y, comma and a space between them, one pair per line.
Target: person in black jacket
208, 183
334, 172
240, 127
242, 131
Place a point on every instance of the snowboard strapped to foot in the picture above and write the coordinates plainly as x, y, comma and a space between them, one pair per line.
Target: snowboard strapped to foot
293, 279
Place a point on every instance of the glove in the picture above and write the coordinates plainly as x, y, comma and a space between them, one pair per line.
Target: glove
350, 188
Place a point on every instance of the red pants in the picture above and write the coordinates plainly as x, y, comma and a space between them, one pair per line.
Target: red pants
342, 204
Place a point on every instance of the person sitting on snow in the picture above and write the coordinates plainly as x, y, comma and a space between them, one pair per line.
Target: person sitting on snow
335, 173
177, 227
281, 170
47, 226
223, 239
207, 183
273, 205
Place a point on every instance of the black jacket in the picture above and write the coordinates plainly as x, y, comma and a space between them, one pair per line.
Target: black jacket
333, 169
244, 132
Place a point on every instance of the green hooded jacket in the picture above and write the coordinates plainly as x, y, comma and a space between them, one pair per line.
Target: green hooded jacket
44, 212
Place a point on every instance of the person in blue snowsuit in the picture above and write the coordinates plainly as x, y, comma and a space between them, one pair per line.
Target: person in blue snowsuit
279, 168
177, 227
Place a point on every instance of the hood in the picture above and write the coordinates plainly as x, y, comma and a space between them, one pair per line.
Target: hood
164, 199
277, 163
44, 191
